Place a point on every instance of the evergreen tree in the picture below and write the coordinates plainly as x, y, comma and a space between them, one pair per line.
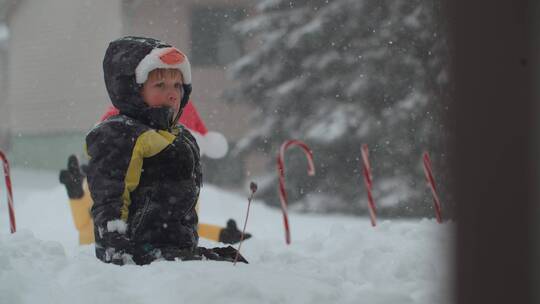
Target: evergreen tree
337, 74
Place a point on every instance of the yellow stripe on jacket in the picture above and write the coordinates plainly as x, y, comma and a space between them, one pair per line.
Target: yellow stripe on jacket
148, 144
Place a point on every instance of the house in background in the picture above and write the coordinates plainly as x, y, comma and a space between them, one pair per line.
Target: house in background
202, 29
5, 8
55, 83
55, 89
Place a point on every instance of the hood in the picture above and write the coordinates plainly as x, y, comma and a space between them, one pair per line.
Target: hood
126, 65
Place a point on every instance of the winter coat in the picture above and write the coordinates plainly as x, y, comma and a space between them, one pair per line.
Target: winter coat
144, 174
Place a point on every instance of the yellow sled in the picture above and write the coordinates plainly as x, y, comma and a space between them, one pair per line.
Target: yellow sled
80, 210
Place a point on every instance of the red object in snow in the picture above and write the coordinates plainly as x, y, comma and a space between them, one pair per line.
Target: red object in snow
431, 184
111, 111
281, 173
189, 118
212, 144
7, 177
368, 181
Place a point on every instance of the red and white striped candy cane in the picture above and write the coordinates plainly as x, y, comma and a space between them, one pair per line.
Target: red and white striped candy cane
9, 192
281, 173
368, 181
431, 184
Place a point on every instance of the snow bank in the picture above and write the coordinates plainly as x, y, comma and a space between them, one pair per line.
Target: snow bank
332, 259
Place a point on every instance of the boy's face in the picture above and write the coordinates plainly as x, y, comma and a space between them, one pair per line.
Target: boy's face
163, 89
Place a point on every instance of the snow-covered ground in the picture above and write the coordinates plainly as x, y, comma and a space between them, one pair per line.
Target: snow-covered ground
332, 259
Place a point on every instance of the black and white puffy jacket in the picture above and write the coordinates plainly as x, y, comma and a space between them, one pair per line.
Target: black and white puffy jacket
144, 172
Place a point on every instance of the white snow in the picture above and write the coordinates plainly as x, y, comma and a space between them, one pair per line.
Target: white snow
328, 129
332, 259
312, 27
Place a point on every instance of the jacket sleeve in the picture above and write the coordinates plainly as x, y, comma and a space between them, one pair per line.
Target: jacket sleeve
111, 148
197, 171
191, 217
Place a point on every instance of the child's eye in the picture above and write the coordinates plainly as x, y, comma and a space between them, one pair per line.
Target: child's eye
160, 84
178, 85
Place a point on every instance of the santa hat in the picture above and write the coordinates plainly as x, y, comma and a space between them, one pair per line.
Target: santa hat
211, 144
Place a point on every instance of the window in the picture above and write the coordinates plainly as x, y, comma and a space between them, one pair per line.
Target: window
213, 41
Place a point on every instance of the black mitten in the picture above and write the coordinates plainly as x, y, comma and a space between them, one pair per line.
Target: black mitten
231, 234
72, 178
117, 245
222, 254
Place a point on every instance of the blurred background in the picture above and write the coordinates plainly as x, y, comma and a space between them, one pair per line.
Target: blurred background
335, 74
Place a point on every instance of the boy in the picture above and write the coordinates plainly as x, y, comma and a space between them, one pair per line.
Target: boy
74, 179
144, 172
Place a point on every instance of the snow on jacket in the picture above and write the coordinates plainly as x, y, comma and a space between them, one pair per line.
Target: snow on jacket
144, 174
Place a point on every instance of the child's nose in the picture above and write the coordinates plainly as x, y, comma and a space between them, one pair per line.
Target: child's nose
173, 97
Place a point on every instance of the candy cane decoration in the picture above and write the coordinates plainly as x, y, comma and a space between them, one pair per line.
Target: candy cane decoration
281, 173
9, 192
368, 181
431, 184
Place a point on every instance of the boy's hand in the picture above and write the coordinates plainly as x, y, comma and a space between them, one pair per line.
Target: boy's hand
72, 178
231, 234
